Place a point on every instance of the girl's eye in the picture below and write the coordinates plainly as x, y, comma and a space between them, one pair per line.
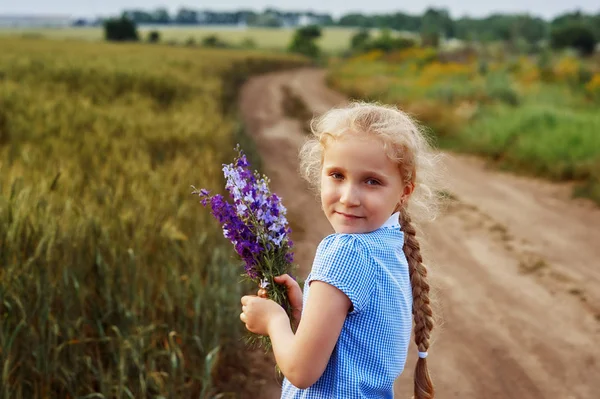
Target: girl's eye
336, 175
373, 182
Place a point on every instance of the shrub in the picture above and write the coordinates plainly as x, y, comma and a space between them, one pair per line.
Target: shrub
430, 39
120, 29
190, 42
567, 70
574, 35
248, 43
154, 36
593, 87
213, 41
360, 39
385, 42
304, 39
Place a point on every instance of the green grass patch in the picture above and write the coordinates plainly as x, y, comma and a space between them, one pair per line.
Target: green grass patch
537, 138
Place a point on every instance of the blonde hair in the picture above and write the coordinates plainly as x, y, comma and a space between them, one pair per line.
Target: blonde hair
405, 143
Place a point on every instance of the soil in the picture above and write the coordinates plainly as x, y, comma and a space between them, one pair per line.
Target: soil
514, 261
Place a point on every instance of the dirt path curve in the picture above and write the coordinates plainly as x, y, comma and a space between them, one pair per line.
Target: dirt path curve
515, 261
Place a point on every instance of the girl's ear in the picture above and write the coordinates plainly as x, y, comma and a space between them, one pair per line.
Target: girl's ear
406, 193
408, 190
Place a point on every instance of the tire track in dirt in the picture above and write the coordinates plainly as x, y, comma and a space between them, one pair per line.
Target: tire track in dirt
515, 262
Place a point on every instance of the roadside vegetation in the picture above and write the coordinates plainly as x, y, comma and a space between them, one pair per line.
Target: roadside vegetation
531, 109
114, 281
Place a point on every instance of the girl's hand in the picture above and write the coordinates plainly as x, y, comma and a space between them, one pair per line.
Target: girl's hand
258, 313
294, 295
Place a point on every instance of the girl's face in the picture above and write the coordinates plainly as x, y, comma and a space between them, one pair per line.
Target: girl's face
360, 185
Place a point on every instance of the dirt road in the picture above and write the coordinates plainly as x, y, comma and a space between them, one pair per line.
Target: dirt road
515, 263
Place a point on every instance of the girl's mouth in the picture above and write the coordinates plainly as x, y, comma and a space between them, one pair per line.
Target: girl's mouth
349, 216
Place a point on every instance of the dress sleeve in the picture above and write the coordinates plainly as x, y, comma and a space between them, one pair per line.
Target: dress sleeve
342, 261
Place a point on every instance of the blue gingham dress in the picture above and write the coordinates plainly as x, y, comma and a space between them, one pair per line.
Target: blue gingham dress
370, 353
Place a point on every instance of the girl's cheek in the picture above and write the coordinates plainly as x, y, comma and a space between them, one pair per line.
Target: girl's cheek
332, 195
327, 191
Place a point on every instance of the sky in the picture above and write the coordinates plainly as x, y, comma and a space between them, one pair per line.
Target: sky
475, 8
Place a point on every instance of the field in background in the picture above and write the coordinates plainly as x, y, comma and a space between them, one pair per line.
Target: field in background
333, 39
114, 281
532, 114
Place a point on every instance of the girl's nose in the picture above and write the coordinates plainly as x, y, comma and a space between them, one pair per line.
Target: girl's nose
350, 195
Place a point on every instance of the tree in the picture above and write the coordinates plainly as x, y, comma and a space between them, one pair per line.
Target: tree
592, 22
120, 29
161, 16
304, 39
355, 20
139, 16
530, 28
437, 21
186, 16
574, 35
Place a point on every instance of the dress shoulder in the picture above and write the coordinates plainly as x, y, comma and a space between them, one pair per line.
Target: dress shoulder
343, 261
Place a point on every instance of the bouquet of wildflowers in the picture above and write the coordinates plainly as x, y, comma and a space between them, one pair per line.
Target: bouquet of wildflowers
255, 223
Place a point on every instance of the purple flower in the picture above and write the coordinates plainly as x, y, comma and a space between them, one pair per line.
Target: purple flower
254, 221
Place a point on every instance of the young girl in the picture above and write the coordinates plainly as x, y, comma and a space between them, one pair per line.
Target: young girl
367, 280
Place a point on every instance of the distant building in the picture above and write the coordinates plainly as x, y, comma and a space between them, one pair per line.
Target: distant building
305, 20
34, 21
294, 20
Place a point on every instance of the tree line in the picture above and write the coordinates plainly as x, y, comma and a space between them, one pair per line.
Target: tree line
432, 21
574, 29
270, 17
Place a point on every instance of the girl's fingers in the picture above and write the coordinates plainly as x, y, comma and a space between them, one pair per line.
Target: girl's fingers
284, 279
246, 298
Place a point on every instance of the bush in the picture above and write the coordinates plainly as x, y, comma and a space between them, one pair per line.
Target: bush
431, 39
593, 86
362, 42
303, 41
360, 39
190, 42
213, 41
544, 64
574, 35
248, 43
120, 29
385, 42
154, 36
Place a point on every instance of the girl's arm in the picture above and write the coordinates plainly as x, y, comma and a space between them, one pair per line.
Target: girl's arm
303, 357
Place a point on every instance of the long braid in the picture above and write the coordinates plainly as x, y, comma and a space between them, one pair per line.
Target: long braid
422, 313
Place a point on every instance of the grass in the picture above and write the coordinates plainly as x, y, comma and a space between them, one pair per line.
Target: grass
334, 40
114, 281
539, 140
